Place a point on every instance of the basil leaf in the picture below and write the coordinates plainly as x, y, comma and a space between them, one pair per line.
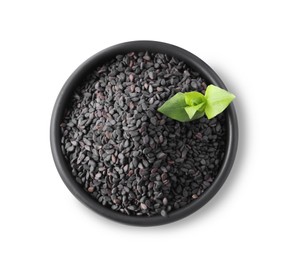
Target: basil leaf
195, 112
189, 106
198, 115
194, 98
175, 108
218, 100
191, 111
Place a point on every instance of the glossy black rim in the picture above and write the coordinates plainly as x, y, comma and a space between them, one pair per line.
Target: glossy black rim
99, 59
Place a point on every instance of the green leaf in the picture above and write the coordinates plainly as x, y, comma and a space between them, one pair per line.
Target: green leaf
198, 115
188, 106
195, 112
196, 104
175, 108
194, 98
217, 100
191, 111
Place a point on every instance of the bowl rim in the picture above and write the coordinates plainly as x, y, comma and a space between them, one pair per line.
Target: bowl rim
98, 59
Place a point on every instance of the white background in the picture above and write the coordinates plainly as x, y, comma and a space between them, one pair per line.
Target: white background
248, 43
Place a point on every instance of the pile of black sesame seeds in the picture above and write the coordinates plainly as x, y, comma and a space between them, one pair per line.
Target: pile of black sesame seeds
127, 155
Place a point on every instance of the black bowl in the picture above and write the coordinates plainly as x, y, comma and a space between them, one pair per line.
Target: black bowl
99, 59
